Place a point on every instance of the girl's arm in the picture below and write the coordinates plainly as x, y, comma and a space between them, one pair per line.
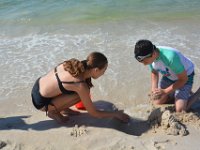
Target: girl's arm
83, 92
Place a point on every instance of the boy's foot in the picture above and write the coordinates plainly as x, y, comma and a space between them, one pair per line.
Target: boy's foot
193, 98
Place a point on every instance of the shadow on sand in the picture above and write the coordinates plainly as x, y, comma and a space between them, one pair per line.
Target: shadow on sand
134, 127
196, 107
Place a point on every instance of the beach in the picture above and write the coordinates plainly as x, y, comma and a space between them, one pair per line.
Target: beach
38, 35
33, 130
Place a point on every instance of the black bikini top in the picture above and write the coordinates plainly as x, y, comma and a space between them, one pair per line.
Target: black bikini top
60, 84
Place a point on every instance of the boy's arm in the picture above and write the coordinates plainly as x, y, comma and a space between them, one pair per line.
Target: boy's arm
154, 80
177, 67
182, 79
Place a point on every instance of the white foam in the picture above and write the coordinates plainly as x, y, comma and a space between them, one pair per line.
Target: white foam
26, 57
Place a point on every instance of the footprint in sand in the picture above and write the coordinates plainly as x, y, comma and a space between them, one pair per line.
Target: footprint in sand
161, 145
7, 145
2, 144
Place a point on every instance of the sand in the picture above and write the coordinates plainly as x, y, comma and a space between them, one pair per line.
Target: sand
30, 129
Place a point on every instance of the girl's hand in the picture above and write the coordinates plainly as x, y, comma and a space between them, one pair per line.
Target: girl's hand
122, 116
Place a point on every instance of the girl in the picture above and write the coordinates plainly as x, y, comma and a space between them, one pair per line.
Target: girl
67, 84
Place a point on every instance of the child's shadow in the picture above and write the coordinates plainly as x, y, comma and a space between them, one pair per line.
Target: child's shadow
18, 123
134, 127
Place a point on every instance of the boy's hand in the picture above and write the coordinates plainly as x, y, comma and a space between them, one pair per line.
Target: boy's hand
157, 94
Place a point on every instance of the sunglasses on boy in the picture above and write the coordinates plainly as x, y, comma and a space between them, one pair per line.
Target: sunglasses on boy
141, 58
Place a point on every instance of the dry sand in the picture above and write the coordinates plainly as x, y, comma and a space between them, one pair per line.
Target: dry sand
30, 129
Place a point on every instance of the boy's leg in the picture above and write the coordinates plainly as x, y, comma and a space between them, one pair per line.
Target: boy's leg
181, 97
180, 105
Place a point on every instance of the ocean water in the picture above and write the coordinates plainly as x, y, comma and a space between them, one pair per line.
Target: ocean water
36, 35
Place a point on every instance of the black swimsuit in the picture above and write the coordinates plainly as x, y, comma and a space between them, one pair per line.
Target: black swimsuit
40, 101
60, 84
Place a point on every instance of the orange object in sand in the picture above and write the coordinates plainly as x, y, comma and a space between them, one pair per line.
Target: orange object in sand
80, 106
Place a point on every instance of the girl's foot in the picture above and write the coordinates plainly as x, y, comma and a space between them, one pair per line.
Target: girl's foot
58, 117
69, 111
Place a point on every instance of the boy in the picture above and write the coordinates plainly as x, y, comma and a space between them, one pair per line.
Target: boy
177, 73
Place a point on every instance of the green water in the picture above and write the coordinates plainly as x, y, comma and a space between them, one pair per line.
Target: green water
36, 35
37, 12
